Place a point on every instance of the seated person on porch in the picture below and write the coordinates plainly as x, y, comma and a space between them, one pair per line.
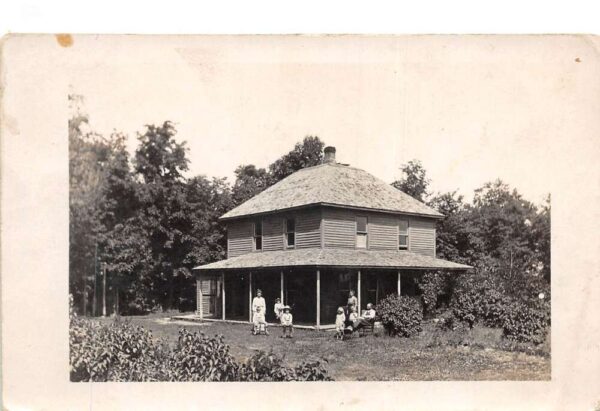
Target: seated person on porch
352, 318
278, 309
340, 320
287, 323
260, 324
367, 319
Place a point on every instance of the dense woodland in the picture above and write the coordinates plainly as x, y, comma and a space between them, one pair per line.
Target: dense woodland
145, 223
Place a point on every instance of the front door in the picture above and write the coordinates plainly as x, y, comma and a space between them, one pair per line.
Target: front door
211, 296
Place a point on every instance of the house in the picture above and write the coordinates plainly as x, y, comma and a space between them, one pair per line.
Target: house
313, 237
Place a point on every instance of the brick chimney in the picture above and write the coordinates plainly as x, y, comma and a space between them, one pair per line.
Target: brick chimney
329, 155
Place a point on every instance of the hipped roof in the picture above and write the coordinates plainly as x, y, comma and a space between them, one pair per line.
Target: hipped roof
334, 185
333, 257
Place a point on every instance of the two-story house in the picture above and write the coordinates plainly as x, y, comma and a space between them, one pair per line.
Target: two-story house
313, 237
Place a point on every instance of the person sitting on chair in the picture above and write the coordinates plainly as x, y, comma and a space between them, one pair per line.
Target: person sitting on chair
367, 318
260, 324
352, 318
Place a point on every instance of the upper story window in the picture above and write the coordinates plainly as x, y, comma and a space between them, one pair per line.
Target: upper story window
290, 232
258, 235
403, 234
361, 232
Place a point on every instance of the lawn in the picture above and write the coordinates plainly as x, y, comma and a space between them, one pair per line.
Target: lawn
479, 354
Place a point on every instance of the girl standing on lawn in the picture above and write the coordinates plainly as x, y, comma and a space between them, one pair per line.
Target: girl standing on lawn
278, 309
340, 320
287, 322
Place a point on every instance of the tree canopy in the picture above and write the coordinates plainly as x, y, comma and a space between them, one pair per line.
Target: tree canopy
147, 223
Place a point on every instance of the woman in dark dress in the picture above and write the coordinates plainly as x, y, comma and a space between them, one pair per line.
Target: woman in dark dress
352, 302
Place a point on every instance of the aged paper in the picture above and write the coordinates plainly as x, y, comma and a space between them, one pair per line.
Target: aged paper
548, 140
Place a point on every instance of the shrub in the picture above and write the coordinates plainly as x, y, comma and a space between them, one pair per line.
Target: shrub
479, 299
433, 285
522, 316
115, 352
527, 323
120, 351
200, 358
312, 371
264, 366
400, 315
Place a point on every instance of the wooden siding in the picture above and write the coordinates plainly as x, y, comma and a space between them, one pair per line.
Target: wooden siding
421, 236
272, 233
239, 238
339, 228
339, 231
383, 232
308, 229
332, 228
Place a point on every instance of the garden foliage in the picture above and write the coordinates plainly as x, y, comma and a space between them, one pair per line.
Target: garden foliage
480, 298
400, 315
119, 351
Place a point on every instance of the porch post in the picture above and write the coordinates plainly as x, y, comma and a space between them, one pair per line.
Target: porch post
399, 284
199, 297
318, 299
250, 296
358, 292
223, 295
281, 288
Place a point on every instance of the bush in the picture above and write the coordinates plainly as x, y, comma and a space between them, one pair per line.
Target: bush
523, 317
200, 358
478, 299
400, 315
264, 366
527, 323
115, 352
120, 351
433, 285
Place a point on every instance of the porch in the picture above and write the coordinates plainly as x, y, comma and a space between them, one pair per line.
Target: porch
313, 294
313, 282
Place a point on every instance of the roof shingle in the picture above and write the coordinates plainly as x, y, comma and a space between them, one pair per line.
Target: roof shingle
335, 185
330, 257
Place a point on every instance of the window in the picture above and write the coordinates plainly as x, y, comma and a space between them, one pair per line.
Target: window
290, 232
403, 234
258, 235
361, 232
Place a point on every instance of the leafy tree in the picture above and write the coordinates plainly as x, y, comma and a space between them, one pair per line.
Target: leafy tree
250, 180
88, 154
160, 161
414, 182
306, 154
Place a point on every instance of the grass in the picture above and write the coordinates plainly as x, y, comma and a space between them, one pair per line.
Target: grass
478, 354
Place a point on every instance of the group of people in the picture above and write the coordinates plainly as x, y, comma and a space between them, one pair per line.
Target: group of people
282, 313
347, 319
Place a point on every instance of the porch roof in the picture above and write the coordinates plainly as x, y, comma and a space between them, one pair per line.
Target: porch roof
334, 257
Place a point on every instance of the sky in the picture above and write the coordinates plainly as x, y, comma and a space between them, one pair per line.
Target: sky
471, 109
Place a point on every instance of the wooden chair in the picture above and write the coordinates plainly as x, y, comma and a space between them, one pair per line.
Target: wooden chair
367, 330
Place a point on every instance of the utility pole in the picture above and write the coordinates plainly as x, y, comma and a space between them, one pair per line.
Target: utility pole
103, 289
117, 300
95, 280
